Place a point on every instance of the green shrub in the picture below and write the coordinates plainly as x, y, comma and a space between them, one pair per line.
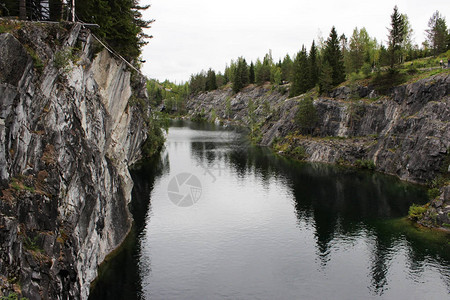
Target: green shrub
365, 164
366, 69
12, 296
416, 212
63, 58
299, 152
155, 135
199, 116
433, 193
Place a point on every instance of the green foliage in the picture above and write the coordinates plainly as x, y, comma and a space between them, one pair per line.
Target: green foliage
262, 69
32, 244
433, 193
211, 83
326, 78
155, 135
301, 74
63, 58
438, 35
18, 185
286, 68
172, 95
213, 116
199, 116
333, 55
396, 37
416, 212
361, 50
37, 62
121, 23
251, 73
8, 26
306, 115
313, 65
365, 164
13, 296
299, 152
383, 81
252, 119
228, 107
241, 76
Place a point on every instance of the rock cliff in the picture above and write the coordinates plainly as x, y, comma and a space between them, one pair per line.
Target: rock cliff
67, 137
405, 133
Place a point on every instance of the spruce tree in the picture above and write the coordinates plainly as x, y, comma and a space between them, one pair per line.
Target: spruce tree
301, 74
211, 83
120, 21
396, 36
313, 65
333, 56
241, 77
286, 68
326, 78
251, 74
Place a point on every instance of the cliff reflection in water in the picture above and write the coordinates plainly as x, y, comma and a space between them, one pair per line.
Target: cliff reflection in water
340, 203
268, 227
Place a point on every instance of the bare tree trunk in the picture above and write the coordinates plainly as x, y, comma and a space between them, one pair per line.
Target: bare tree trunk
22, 10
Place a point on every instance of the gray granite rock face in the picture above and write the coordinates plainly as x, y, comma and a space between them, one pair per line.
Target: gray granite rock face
67, 137
405, 133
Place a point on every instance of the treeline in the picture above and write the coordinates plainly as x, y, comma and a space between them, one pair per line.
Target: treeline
120, 21
171, 97
330, 62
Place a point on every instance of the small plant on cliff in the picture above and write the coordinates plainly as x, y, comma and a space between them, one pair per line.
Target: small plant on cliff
433, 193
299, 153
199, 116
37, 62
365, 164
13, 296
416, 212
63, 58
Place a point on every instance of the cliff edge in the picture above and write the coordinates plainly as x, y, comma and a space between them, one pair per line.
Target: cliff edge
67, 137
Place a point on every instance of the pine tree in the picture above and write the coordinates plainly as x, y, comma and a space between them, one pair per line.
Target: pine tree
333, 56
396, 37
437, 33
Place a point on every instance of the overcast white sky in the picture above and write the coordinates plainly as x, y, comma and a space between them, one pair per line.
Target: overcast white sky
194, 35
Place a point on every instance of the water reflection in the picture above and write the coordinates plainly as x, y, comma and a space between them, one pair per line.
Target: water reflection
345, 240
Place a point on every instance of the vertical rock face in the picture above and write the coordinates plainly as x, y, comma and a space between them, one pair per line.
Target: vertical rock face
67, 137
405, 133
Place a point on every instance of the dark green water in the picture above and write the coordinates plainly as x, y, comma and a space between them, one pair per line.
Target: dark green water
218, 219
